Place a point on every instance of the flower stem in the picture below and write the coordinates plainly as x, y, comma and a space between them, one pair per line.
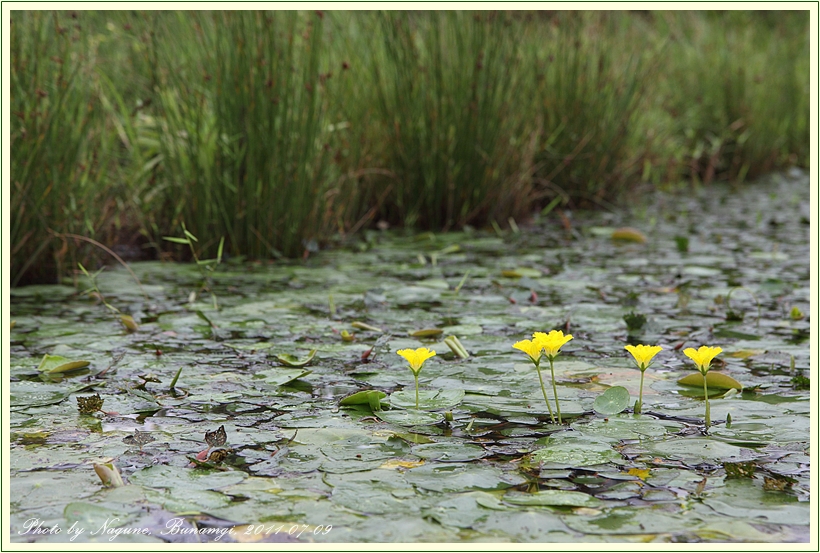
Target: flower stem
543, 391
416, 375
706, 397
555, 391
639, 407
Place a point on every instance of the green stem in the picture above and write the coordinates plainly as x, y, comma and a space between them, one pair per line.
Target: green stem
555, 392
416, 375
543, 391
706, 397
640, 397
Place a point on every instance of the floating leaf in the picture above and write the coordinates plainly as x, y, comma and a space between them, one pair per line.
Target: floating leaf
58, 364
713, 380
612, 401
365, 397
279, 376
561, 498
289, 360
427, 333
576, 454
629, 234
364, 326
520, 272
428, 399
453, 452
410, 417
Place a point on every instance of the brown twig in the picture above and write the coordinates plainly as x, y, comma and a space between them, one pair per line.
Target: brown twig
105, 249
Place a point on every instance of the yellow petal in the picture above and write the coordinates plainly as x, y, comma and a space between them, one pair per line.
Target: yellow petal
702, 356
551, 342
643, 354
531, 348
416, 357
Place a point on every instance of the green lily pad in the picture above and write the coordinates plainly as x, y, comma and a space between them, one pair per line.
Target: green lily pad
181, 478
558, 498
576, 455
698, 450
713, 380
449, 452
459, 477
279, 376
289, 360
410, 417
428, 399
612, 401
59, 364
371, 398
520, 272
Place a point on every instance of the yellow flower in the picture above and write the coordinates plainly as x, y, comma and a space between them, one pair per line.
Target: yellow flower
531, 348
643, 354
702, 357
551, 342
416, 358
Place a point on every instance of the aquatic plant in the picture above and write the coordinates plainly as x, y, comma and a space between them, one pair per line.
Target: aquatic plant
643, 357
206, 266
416, 359
547, 345
703, 360
552, 343
534, 351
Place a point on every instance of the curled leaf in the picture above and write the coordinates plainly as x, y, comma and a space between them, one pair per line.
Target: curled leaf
58, 364
292, 361
109, 475
129, 323
629, 234
364, 326
427, 333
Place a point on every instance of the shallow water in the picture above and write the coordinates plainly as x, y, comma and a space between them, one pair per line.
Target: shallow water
298, 463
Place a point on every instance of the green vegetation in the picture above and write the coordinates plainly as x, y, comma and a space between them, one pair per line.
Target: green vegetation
282, 130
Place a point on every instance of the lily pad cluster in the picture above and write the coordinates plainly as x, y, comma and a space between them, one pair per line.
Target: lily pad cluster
259, 413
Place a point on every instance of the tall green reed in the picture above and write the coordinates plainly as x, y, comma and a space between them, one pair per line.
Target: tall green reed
445, 84
58, 149
737, 92
587, 94
244, 136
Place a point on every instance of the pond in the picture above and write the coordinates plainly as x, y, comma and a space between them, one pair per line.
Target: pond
228, 425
